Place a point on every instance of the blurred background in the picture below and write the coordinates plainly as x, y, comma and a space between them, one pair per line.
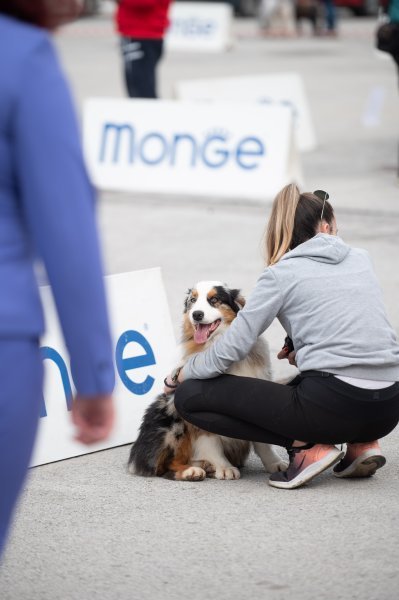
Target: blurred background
352, 94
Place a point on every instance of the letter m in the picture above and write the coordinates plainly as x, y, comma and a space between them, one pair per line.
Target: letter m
114, 137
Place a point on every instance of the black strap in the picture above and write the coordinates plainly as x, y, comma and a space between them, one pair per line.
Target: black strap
316, 374
171, 387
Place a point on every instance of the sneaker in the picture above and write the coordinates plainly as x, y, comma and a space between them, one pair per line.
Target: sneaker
305, 463
360, 460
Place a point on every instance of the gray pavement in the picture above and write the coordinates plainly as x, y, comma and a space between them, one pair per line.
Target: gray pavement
85, 528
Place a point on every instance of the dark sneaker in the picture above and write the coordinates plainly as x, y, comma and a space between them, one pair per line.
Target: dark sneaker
306, 463
360, 460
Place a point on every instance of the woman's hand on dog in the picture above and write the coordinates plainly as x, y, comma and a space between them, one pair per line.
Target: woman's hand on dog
169, 389
171, 382
290, 356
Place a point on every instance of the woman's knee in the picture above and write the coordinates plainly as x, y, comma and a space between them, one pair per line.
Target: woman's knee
185, 392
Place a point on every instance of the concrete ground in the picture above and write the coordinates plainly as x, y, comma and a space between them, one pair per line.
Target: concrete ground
87, 529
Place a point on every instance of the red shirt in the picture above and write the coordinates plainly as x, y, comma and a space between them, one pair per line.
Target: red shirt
143, 19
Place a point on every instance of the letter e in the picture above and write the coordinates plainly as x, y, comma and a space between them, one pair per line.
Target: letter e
136, 362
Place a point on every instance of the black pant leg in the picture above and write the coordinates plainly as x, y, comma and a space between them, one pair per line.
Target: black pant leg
237, 407
140, 58
310, 409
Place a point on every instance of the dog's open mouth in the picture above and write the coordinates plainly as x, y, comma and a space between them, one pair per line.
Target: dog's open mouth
204, 330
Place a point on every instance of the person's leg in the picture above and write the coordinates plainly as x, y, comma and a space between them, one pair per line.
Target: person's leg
236, 407
156, 50
330, 16
140, 58
396, 61
21, 375
260, 411
321, 411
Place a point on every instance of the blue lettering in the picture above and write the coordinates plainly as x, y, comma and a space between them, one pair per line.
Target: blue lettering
249, 146
153, 159
117, 130
178, 138
223, 154
289, 103
136, 362
265, 100
123, 365
51, 354
292, 106
154, 148
193, 26
208, 27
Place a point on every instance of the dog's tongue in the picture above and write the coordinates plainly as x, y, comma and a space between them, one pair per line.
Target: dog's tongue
201, 333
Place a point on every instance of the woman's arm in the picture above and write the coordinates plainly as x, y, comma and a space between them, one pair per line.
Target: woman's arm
261, 308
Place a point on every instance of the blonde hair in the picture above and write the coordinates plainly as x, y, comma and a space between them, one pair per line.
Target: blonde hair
281, 223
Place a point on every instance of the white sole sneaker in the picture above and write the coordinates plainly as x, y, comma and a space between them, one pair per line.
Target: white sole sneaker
311, 471
364, 465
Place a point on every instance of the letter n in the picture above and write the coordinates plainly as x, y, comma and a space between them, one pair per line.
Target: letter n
51, 354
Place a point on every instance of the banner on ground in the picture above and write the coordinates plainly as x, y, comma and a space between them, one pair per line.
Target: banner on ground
276, 89
221, 150
144, 350
199, 27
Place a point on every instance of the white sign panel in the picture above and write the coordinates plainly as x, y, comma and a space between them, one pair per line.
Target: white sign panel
200, 27
276, 89
211, 149
144, 351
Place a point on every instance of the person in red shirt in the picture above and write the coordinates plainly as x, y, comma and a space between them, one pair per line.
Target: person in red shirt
142, 25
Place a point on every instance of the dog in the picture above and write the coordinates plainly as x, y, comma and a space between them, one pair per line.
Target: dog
167, 446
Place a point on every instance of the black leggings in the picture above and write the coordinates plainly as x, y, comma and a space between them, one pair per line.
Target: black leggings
312, 408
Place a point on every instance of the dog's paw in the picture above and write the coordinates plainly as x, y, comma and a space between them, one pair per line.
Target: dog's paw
206, 465
193, 474
276, 466
226, 473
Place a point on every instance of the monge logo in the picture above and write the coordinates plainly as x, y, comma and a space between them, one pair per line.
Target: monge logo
122, 144
125, 367
193, 27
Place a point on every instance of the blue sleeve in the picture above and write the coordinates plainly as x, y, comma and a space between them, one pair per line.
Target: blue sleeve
235, 344
58, 207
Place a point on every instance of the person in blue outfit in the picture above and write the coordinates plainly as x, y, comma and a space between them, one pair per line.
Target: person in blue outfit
46, 213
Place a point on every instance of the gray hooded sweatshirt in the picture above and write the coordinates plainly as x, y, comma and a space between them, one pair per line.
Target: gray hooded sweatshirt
327, 298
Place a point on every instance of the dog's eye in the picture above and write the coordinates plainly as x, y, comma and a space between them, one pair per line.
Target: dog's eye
192, 300
214, 300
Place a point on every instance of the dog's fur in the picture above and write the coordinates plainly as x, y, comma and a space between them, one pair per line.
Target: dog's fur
170, 447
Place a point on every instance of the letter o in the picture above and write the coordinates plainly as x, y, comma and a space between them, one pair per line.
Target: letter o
148, 159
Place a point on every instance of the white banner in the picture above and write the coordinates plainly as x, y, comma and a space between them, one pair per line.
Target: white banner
274, 89
144, 350
200, 27
211, 149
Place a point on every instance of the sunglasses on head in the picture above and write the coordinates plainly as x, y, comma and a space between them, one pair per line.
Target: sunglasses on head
323, 196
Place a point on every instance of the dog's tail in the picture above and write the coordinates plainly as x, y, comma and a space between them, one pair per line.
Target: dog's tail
158, 439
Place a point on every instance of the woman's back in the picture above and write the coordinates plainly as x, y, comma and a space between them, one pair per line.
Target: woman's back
333, 309
19, 304
47, 206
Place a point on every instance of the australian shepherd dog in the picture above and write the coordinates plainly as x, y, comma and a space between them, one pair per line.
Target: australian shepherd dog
168, 446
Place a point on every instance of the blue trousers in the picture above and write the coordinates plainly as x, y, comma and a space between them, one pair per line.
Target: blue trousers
21, 379
331, 14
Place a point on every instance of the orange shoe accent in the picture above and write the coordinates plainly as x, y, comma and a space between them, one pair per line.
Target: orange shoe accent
305, 464
360, 460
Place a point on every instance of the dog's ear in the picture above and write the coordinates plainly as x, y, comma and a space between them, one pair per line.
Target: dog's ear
238, 299
188, 294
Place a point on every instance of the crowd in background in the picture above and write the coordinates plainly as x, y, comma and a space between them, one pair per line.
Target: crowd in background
287, 17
